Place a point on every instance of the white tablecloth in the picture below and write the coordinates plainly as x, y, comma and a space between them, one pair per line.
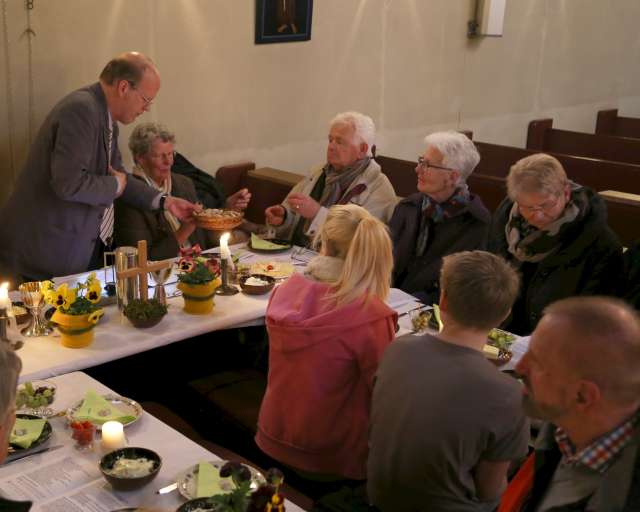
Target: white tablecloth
177, 451
116, 338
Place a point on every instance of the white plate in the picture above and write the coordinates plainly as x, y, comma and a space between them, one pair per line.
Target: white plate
188, 480
126, 405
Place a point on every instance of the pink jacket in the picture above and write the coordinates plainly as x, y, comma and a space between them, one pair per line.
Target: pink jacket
315, 413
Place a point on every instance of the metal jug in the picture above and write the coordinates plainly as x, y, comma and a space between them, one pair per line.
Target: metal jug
127, 288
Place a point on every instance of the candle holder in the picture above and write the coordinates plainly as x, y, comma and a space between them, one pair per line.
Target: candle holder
225, 288
34, 301
4, 326
160, 277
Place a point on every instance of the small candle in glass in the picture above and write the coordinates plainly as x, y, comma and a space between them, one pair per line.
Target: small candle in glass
112, 436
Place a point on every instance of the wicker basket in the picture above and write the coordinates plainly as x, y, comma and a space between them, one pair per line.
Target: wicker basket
218, 222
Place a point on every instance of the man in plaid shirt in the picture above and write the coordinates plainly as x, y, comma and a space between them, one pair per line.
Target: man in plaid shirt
582, 375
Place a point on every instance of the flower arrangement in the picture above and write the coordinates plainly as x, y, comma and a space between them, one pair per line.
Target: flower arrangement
81, 300
196, 269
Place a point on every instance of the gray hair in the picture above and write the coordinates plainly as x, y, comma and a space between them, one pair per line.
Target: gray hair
363, 126
145, 134
538, 173
10, 366
458, 152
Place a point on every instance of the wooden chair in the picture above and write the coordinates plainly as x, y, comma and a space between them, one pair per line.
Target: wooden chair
541, 136
610, 123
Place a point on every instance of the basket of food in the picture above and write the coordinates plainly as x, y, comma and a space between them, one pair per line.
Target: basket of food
214, 219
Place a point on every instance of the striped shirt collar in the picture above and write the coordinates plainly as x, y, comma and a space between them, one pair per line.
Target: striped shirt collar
602, 452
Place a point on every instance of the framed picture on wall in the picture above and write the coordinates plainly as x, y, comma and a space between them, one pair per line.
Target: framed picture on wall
283, 21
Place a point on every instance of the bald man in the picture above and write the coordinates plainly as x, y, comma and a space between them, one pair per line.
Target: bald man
59, 219
582, 375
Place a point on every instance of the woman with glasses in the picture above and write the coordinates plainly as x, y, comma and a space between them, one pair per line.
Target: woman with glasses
442, 218
555, 233
327, 331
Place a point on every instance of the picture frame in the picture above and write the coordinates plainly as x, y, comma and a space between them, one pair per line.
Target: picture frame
283, 21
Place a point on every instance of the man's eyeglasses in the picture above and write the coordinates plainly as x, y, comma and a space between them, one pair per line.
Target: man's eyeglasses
425, 164
147, 102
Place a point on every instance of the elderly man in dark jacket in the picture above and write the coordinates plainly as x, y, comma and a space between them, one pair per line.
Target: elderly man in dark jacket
441, 219
555, 233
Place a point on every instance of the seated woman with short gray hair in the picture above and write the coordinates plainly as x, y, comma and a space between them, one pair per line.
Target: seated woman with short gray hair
555, 233
442, 218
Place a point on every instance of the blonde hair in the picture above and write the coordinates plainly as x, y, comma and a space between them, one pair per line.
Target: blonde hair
539, 173
10, 366
352, 234
480, 288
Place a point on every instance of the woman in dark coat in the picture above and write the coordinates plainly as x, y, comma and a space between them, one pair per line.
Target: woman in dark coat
442, 218
555, 233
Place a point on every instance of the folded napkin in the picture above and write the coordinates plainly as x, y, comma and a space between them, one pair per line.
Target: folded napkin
209, 481
98, 410
265, 245
26, 431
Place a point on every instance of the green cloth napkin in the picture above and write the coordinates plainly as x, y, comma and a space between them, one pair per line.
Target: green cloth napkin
98, 410
208, 481
264, 245
25, 432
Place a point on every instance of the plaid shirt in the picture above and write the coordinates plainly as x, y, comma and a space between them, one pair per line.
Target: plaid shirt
600, 454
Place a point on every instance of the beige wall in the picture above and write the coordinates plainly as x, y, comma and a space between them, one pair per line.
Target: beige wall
407, 63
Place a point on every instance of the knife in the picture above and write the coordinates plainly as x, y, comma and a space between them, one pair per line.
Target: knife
168, 488
29, 454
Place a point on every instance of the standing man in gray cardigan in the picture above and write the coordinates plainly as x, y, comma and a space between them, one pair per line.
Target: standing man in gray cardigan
59, 219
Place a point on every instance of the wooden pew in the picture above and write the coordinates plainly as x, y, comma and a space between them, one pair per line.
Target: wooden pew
496, 160
610, 123
623, 211
541, 136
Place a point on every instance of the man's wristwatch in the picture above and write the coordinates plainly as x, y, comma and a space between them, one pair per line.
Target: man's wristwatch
163, 198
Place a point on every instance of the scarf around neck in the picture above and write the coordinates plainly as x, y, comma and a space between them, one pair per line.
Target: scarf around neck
338, 182
437, 212
165, 188
530, 244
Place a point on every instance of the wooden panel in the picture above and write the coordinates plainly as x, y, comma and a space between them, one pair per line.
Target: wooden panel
542, 137
496, 160
610, 123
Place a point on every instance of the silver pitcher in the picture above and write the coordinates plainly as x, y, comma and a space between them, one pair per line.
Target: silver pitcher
127, 288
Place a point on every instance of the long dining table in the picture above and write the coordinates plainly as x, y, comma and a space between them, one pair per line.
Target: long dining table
64, 478
115, 337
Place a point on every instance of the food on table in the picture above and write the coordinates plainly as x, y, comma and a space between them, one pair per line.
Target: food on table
265, 245
83, 432
256, 281
215, 212
490, 351
420, 320
275, 269
500, 339
32, 396
132, 468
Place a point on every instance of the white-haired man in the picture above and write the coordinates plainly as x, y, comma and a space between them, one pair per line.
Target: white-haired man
442, 218
581, 374
349, 176
10, 366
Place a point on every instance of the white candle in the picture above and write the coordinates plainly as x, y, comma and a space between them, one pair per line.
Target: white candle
5, 303
224, 247
112, 436
225, 253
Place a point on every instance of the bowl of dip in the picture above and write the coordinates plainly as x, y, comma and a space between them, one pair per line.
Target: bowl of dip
257, 284
130, 468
